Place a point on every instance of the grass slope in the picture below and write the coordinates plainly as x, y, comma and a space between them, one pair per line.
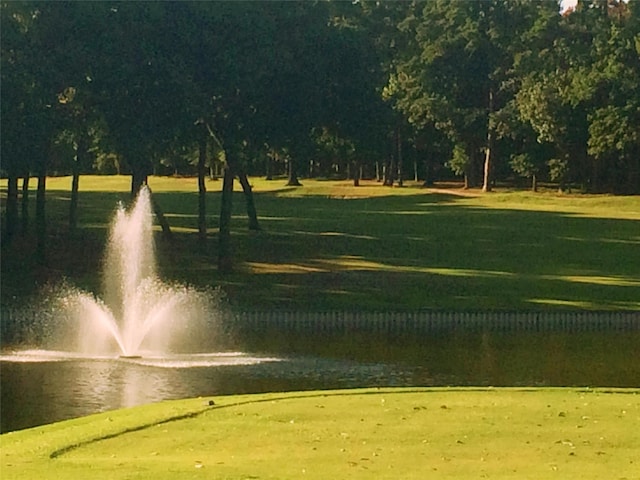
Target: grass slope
329, 245
382, 434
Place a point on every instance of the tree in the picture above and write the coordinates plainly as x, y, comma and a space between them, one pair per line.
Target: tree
460, 162
75, 118
267, 81
138, 78
358, 119
29, 96
15, 78
610, 86
220, 48
453, 73
202, 188
581, 95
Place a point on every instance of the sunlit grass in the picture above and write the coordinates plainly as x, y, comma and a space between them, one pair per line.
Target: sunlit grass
554, 302
598, 280
381, 248
386, 434
590, 206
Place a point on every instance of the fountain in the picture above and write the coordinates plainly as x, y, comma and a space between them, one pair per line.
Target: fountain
138, 313
141, 340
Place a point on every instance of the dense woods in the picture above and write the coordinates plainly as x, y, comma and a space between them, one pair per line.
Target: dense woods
490, 91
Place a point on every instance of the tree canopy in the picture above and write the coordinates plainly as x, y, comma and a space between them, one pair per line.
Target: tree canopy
501, 80
491, 91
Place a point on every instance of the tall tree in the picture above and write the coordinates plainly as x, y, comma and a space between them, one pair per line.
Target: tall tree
609, 83
16, 75
459, 58
581, 95
203, 141
29, 98
139, 80
263, 80
358, 116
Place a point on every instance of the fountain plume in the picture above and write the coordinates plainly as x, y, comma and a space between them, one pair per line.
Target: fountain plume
138, 312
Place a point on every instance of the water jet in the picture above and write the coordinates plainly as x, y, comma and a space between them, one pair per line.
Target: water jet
137, 314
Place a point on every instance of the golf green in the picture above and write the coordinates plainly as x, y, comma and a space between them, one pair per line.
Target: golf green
370, 433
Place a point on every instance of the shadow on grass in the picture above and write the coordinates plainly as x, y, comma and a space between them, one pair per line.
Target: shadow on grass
400, 252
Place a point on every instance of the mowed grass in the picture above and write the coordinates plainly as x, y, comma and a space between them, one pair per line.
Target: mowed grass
382, 434
331, 246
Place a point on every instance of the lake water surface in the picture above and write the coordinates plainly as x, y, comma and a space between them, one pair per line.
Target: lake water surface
39, 387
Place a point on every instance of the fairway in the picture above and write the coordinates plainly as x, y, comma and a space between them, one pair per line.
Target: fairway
374, 433
331, 246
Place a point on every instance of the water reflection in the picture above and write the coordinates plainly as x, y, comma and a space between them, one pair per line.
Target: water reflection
41, 387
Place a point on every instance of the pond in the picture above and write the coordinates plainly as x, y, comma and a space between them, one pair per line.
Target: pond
39, 387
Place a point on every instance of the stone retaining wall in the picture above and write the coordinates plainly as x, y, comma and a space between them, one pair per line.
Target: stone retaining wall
430, 322
18, 326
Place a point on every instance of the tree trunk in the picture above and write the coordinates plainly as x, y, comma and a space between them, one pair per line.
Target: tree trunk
162, 220
117, 162
82, 147
428, 181
293, 174
269, 167
471, 170
534, 183
73, 204
225, 262
41, 219
25, 203
11, 213
202, 188
399, 158
486, 183
137, 181
594, 185
248, 197
357, 173
633, 172
389, 172
138, 178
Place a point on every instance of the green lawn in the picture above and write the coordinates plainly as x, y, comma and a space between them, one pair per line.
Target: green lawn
328, 245
381, 434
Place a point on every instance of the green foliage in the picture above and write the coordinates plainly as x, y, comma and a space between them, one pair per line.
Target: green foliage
138, 77
523, 165
583, 96
539, 106
611, 132
107, 164
558, 169
460, 161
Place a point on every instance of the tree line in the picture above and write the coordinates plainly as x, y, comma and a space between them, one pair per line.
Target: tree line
491, 91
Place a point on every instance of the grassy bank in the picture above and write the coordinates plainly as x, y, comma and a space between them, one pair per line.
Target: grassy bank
331, 246
398, 433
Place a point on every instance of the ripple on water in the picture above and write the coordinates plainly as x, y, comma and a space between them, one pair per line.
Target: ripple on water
200, 360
